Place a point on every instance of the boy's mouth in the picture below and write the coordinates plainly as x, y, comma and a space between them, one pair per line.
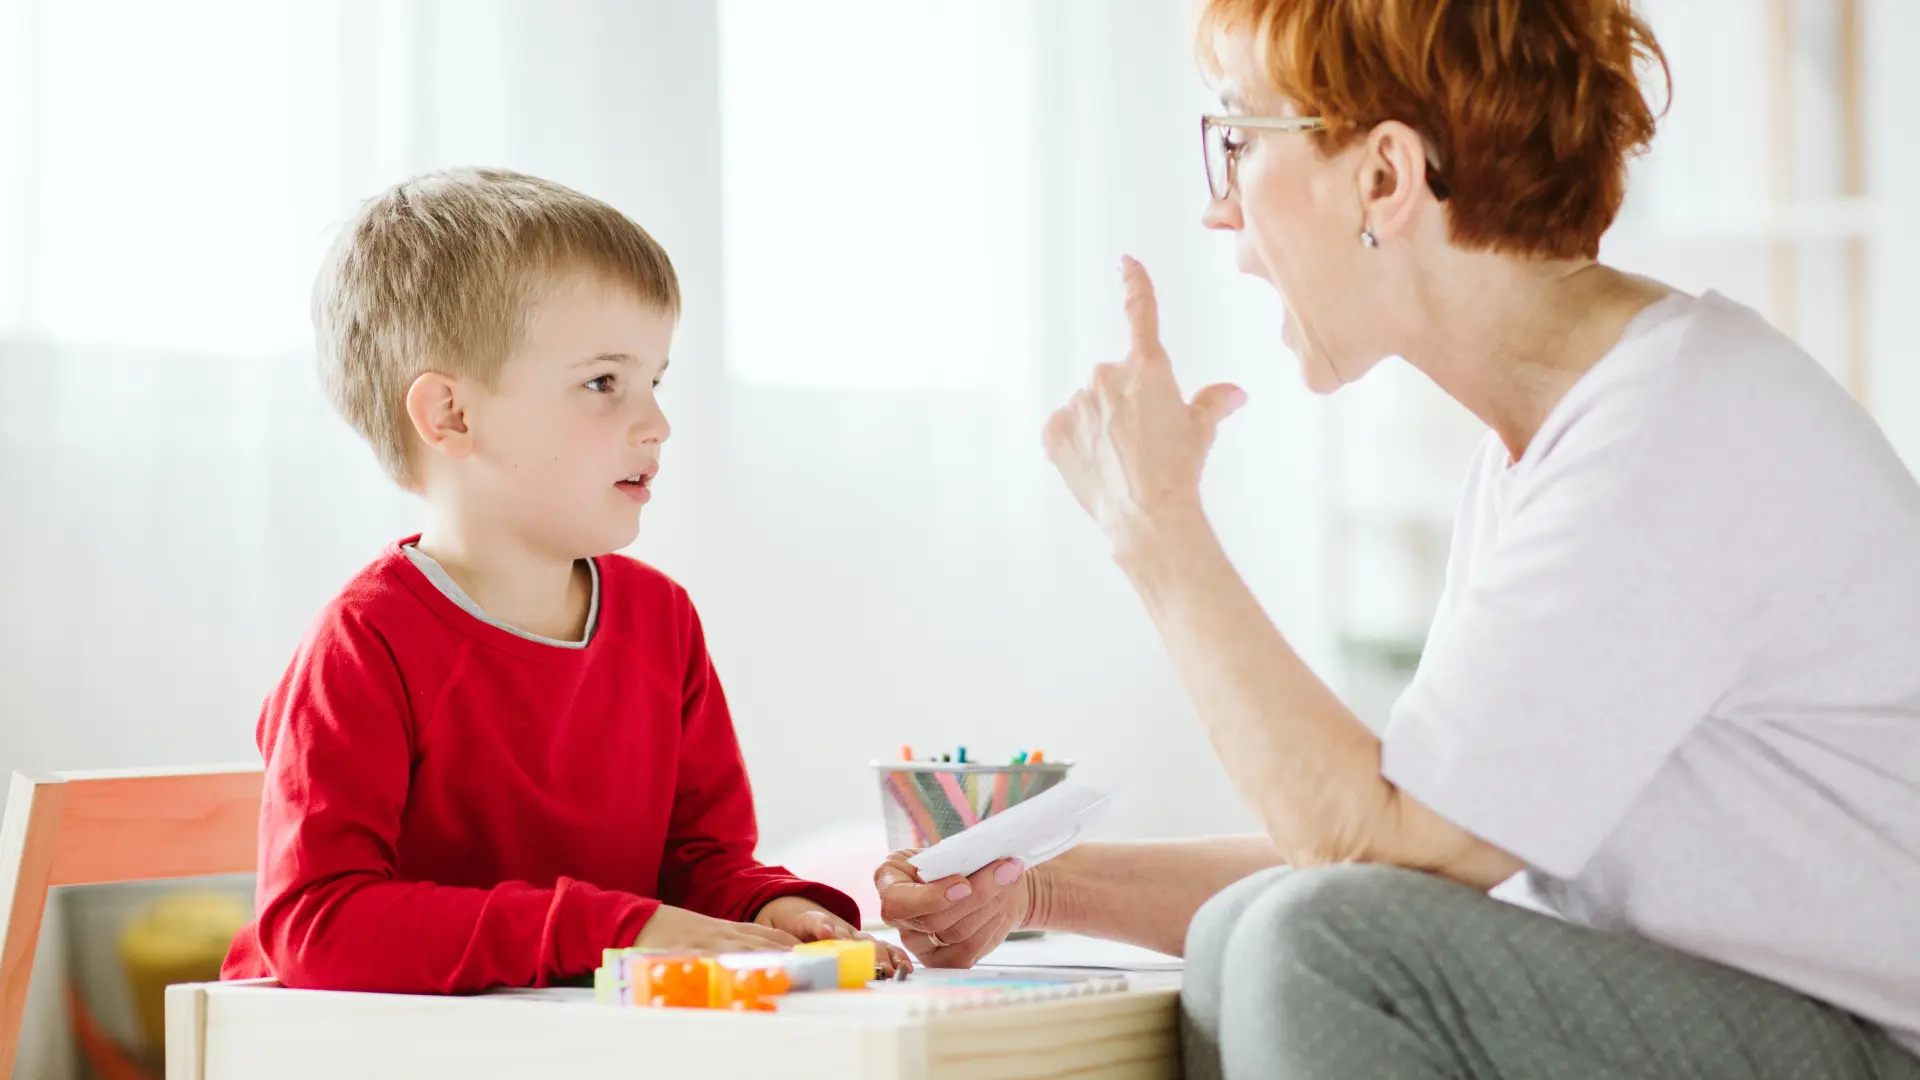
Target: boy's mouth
639, 486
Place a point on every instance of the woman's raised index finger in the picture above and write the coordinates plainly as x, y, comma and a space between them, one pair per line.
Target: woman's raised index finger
1142, 310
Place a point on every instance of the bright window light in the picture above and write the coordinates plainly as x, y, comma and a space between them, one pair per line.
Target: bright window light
877, 174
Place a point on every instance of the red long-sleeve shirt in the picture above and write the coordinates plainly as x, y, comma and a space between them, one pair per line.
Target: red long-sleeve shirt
450, 807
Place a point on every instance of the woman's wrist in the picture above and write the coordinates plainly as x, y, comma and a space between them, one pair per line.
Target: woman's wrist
1044, 896
1163, 544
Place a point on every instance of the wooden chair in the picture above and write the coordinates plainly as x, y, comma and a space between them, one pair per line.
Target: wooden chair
85, 828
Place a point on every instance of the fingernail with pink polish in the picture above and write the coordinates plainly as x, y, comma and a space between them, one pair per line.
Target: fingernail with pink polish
960, 891
1008, 871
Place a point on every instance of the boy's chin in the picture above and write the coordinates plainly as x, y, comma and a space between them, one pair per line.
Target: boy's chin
593, 538
615, 539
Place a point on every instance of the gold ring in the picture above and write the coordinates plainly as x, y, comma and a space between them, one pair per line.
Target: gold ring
935, 939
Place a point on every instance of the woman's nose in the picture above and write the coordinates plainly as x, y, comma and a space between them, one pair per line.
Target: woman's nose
1222, 214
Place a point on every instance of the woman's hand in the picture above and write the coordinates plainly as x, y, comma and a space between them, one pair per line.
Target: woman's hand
1129, 446
953, 922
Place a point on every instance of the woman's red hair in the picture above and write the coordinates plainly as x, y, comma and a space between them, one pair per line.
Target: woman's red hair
1532, 106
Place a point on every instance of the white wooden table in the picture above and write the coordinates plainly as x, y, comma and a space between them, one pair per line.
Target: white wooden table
230, 1031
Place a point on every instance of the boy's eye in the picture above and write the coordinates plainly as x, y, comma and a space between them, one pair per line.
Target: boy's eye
600, 384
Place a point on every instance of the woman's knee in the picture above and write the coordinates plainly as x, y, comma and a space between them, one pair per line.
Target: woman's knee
1206, 954
1212, 926
1309, 953
1336, 913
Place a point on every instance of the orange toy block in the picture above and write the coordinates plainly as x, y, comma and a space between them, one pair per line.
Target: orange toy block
748, 987
684, 982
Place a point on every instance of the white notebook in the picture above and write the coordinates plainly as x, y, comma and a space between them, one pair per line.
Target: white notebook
931, 992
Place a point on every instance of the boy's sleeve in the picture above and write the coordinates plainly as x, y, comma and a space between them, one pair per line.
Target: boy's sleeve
708, 865
332, 914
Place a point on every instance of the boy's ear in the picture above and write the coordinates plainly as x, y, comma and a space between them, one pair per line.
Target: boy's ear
438, 414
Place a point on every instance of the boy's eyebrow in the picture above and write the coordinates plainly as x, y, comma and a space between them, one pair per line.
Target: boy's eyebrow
605, 358
618, 358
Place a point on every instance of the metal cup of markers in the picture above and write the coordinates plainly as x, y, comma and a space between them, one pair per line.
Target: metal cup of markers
924, 802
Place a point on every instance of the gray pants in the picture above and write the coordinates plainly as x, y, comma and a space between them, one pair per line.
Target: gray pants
1370, 973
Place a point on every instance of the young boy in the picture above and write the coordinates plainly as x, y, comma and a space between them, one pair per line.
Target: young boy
500, 749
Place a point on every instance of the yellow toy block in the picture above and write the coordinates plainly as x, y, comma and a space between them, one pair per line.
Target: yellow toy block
857, 959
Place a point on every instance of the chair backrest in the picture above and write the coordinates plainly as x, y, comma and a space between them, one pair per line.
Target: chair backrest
84, 828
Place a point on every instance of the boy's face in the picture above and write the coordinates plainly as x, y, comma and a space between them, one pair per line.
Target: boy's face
566, 445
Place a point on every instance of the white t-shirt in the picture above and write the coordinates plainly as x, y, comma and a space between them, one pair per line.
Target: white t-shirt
1676, 668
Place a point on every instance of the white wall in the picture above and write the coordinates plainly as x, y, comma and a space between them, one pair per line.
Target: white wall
873, 569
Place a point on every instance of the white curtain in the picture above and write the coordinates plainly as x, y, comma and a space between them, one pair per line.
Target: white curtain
924, 208
175, 499
897, 226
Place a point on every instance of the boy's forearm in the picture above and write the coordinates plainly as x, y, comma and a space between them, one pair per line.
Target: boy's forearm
1143, 893
726, 882
361, 932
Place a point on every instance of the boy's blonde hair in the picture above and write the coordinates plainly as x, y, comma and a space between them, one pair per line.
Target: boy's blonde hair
441, 272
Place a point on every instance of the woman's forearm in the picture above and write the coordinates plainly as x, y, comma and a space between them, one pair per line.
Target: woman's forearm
1142, 893
1298, 756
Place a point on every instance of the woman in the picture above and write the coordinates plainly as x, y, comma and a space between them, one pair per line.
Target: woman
1672, 695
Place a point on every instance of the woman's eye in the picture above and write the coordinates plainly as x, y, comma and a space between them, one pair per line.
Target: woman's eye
600, 384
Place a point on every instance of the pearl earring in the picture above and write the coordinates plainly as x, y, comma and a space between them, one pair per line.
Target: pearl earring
1367, 238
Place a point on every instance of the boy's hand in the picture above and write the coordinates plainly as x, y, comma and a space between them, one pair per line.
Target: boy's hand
677, 928
808, 921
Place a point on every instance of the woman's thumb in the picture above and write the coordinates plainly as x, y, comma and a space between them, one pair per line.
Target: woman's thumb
1219, 401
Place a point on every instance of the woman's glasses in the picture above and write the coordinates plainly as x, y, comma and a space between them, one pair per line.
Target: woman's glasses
1222, 147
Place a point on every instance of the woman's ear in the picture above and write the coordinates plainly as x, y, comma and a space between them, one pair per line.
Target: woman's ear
1393, 169
439, 416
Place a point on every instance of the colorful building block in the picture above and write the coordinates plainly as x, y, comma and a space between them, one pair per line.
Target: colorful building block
749, 981
857, 959
684, 982
813, 971
607, 990
621, 978
741, 981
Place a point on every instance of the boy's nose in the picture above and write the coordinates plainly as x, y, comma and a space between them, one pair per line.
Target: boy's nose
651, 427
